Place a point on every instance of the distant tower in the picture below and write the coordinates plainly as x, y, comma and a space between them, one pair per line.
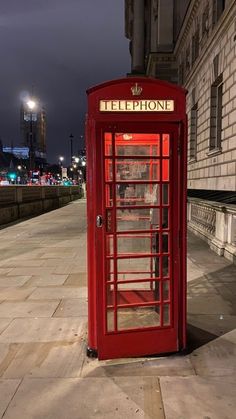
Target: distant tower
33, 122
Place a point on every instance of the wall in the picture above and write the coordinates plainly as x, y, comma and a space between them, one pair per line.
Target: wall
25, 201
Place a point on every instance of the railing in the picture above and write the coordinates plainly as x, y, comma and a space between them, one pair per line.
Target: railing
215, 223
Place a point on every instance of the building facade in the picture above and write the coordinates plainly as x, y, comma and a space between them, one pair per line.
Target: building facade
193, 43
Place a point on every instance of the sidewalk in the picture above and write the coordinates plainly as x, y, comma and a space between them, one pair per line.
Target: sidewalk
44, 371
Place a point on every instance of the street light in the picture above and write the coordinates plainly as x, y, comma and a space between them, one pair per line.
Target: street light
31, 104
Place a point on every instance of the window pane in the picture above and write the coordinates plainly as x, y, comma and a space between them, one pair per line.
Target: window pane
165, 145
137, 219
166, 315
142, 243
108, 170
110, 320
133, 144
138, 317
108, 143
128, 267
131, 169
133, 194
139, 292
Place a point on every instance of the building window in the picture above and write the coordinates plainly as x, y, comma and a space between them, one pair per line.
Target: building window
205, 21
216, 113
218, 7
195, 45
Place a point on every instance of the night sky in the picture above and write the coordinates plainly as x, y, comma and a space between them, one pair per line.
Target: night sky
61, 47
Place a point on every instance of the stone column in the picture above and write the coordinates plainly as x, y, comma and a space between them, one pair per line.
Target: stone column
138, 37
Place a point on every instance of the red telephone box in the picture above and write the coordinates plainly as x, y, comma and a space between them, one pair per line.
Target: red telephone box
136, 206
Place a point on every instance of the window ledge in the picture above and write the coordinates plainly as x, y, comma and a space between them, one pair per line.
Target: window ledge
214, 152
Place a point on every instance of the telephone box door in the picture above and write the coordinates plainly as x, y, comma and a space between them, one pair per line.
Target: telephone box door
137, 239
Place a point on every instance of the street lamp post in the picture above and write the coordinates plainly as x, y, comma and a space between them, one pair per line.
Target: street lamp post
61, 159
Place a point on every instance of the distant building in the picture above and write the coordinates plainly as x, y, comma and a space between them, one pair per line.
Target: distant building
193, 43
34, 121
19, 152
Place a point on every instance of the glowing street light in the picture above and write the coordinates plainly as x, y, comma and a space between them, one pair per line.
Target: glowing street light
31, 104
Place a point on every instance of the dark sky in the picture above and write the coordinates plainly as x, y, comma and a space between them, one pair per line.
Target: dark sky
62, 47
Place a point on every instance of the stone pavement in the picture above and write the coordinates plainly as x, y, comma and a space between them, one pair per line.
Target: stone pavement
44, 371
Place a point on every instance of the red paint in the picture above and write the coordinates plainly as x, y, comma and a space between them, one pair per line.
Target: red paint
136, 180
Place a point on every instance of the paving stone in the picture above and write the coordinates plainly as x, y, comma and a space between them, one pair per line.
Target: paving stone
72, 308
28, 309
16, 263
167, 366
4, 323
217, 324
70, 268
209, 304
217, 358
4, 271
43, 330
59, 293
128, 397
13, 293
79, 279
13, 281
47, 279
31, 271
7, 391
46, 359
198, 397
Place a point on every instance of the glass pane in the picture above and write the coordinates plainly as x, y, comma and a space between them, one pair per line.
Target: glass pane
138, 292
165, 266
165, 170
134, 219
133, 265
109, 247
109, 200
110, 269
134, 244
165, 194
138, 317
108, 170
165, 145
165, 218
166, 315
108, 143
165, 243
131, 169
141, 194
110, 295
110, 320
166, 290
130, 144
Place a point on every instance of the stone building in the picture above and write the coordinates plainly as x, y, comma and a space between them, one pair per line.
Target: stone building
34, 123
193, 43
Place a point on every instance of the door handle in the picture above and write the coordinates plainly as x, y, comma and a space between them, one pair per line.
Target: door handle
99, 221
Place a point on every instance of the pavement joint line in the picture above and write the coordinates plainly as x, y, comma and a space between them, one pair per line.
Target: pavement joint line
5, 411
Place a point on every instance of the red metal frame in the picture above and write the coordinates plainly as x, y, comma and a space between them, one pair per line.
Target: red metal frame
101, 131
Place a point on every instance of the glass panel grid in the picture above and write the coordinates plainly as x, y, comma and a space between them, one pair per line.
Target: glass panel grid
162, 286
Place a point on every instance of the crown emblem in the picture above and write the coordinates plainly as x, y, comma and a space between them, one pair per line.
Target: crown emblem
136, 90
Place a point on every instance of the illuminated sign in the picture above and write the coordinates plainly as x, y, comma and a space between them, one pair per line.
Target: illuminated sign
144, 105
